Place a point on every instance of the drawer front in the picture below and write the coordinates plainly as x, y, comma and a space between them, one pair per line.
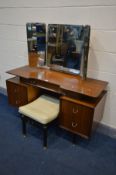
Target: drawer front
17, 94
43, 84
70, 116
76, 118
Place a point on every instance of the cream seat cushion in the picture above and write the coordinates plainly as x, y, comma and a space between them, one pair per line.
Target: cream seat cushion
44, 109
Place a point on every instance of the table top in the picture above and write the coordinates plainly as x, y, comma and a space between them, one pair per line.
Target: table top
73, 83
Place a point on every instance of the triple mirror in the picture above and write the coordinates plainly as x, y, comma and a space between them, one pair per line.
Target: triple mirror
62, 48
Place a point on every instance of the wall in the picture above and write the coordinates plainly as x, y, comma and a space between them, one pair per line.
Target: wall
100, 14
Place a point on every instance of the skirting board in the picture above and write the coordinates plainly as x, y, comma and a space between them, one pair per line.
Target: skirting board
104, 129
107, 130
3, 91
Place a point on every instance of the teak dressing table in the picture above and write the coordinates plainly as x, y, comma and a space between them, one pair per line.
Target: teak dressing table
81, 101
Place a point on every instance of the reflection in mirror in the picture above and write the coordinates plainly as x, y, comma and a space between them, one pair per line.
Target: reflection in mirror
67, 48
36, 40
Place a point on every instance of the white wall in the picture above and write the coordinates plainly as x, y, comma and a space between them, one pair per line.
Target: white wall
100, 14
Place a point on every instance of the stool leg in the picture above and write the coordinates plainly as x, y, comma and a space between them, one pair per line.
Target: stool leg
24, 125
45, 136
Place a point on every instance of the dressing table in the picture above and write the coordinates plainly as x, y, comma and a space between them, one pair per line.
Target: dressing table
81, 101
63, 75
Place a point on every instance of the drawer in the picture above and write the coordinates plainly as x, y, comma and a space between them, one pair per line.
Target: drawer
71, 115
20, 93
71, 108
44, 84
17, 94
75, 117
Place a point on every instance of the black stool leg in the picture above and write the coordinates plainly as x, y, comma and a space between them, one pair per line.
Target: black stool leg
45, 136
24, 125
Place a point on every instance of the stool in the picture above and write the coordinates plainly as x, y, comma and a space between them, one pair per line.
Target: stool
44, 110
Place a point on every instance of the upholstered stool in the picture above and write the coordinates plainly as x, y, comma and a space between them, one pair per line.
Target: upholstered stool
44, 110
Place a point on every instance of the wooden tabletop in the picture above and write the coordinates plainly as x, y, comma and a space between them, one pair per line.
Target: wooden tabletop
74, 83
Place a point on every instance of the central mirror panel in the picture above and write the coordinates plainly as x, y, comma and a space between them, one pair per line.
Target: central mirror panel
67, 47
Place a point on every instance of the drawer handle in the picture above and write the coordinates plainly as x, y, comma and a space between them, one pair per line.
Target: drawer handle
74, 125
75, 110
